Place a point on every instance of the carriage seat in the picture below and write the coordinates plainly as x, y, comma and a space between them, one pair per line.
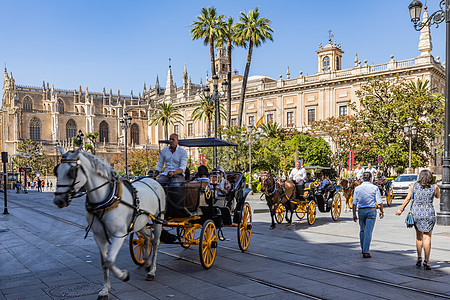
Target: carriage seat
193, 197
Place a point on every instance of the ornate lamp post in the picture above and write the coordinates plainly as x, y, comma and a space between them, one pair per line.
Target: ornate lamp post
80, 138
443, 216
249, 138
410, 131
125, 123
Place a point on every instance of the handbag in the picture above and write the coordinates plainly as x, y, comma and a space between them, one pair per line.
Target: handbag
409, 220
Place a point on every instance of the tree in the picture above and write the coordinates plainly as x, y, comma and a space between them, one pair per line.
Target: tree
167, 114
91, 136
251, 31
33, 158
137, 161
270, 130
207, 28
227, 34
204, 110
385, 106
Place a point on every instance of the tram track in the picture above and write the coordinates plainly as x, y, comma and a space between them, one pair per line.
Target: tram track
265, 257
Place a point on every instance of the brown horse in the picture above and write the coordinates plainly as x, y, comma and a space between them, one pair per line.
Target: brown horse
277, 193
348, 187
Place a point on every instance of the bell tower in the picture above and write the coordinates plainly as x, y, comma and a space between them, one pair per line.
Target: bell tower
329, 57
221, 62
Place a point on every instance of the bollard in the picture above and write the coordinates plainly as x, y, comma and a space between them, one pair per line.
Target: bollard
5, 179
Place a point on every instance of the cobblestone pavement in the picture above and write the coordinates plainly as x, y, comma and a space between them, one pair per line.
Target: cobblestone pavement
43, 255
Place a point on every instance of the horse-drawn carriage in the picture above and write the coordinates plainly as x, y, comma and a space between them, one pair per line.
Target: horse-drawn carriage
325, 197
195, 207
116, 208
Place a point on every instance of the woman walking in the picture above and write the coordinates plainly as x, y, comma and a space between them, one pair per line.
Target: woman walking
422, 194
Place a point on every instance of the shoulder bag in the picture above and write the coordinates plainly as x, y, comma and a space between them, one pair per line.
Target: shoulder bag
409, 217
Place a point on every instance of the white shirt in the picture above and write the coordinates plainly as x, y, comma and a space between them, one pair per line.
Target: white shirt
297, 174
373, 171
359, 173
367, 195
172, 161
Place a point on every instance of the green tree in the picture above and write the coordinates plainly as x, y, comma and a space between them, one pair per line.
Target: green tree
227, 34
167, 114
92, 137
207, 28
270, 130
204, 110
33, 158
137, 161
251, 31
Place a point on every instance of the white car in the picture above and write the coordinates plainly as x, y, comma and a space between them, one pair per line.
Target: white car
402, 183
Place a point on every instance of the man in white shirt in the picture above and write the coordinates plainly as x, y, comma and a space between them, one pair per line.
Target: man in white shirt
298, 176
373, 171
174, 159
359, 172
366, 197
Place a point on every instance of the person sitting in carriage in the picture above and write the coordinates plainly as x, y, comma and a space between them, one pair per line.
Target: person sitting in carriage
202, 174
298, 176
381, 182
324, 183
308, 178
224, 185
174, 160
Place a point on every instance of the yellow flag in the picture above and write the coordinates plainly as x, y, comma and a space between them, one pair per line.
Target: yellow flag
260, 121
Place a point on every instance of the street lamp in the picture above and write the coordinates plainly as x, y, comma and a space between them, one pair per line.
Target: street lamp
410, 132
443, 216
249, 138
125, 123
80, 138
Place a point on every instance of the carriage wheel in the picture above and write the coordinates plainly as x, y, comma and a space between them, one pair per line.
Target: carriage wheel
300, 211
208, 244
311, 213
390, 196
137, 247
279, 213
350, 202
336, 207
185, 236
245, 227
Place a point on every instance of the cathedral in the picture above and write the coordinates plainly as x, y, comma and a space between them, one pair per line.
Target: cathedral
52, 116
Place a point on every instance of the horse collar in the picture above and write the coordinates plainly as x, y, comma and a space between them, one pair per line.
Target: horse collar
111, 202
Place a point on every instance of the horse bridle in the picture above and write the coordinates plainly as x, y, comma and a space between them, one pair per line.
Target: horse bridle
73, 173
266, 185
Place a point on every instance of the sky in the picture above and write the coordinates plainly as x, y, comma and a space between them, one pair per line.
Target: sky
122, 44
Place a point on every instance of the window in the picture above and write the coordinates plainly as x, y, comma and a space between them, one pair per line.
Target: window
338, 63
176, 129
251, 120
104, 132
27, 103
269, 118
311, 116
326, 63
190, 129
234, 122
343, 110
290, 119
35, 129
60, 106
71, 129
134, 134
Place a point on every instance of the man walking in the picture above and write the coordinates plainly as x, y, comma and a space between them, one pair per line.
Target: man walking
366, 197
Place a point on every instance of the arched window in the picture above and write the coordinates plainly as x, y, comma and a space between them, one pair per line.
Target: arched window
60, 106
104, 132
27, 103
134, 133
35, 129
71, 129
326, 63
338, 63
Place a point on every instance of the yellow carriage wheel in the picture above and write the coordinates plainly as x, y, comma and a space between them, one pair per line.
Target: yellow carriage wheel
350, 202
300, 211
186, 236
245, 228
208, 244
311, 212
390, 196
280, 211
137, 247
336, 207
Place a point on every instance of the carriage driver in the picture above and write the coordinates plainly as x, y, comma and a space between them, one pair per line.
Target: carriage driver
174, 159
298, 176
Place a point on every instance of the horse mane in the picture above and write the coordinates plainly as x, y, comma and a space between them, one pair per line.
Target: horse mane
100, 167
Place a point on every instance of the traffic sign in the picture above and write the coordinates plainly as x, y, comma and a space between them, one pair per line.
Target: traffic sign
379, 159
24, 169
350, 161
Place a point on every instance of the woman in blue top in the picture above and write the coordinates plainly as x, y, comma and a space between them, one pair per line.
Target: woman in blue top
423, 193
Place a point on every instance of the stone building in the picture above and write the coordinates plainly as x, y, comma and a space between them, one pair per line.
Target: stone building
53, 116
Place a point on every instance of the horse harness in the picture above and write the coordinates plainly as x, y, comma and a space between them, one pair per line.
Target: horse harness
269, 196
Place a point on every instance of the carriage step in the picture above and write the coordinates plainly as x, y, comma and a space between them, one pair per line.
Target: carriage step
221, 238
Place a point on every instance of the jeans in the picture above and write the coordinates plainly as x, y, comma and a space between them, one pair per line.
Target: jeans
175, 180
367, 219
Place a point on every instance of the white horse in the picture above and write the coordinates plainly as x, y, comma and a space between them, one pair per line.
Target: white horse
111, 210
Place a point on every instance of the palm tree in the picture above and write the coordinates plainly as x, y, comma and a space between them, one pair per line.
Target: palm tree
167, 114
204, 110
207, 28
270, 130
251, 31
227, 35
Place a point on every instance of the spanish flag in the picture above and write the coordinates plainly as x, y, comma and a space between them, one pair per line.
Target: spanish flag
260, 121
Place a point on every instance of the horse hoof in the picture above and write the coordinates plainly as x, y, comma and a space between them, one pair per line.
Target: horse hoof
104, 297
150, 277
127, 277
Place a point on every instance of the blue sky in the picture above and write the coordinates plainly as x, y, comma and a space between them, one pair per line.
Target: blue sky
122, 44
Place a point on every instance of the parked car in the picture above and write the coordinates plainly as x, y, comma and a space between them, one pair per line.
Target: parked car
402, 183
